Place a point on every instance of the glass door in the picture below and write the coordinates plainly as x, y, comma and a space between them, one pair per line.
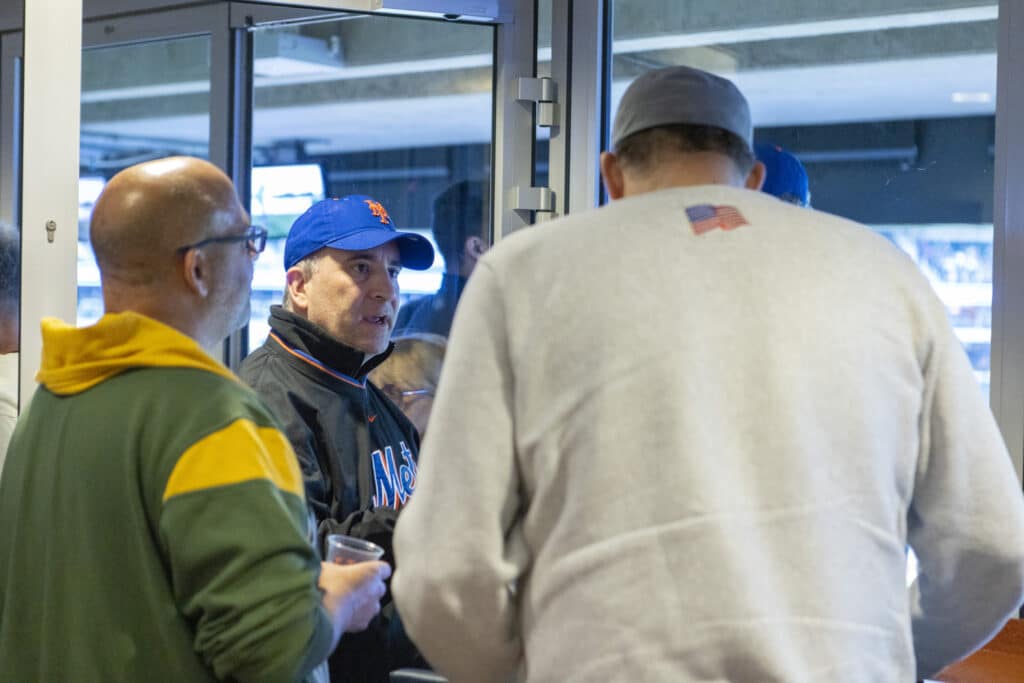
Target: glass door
10, 235
891, 113
140, 101
394, 108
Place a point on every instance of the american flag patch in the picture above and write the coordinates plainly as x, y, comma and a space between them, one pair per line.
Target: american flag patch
705, 217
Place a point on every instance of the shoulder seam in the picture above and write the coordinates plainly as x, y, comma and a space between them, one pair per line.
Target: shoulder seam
238, 452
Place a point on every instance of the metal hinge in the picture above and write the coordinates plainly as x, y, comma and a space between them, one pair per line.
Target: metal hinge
543, 91
533, 199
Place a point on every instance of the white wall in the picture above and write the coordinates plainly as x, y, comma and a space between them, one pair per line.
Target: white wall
52, 90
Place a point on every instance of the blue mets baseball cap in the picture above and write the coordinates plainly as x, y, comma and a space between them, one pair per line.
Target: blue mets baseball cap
353, 223
785, 176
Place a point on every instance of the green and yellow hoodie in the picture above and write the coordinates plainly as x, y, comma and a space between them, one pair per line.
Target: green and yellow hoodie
153, 525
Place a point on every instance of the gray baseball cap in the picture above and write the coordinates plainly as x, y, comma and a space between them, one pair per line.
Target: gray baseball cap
682, 95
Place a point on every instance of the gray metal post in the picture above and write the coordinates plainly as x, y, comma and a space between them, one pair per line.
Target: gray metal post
231, 127
515, 57
580, 53
49, 188
1007, 383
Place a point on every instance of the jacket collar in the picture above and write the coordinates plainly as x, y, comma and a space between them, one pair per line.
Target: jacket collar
312, 340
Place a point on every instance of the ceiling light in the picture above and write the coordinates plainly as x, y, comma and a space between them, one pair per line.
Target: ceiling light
972, 97
278, 54
485, 10
808, 29
349, 5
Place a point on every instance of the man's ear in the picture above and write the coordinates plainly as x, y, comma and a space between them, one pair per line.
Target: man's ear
611, 174
197, 272
474, 247
296, 282
756, 177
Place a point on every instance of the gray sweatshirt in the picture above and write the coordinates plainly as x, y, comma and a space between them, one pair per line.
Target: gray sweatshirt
667, 451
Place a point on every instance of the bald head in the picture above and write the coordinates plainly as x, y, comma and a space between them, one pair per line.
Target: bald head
147, 211
144, 217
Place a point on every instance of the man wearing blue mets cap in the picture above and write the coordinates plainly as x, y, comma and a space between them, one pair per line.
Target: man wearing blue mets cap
785, 176
689, 436
358, 452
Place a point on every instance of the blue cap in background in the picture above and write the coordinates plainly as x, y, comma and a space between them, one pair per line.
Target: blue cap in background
785, 176
353, 223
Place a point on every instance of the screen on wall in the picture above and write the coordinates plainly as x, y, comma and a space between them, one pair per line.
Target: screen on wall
280, 194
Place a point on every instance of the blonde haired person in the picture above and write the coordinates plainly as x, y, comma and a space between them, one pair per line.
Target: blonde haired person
409, 376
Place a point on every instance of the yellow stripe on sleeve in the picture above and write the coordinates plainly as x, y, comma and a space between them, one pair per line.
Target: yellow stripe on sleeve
239, 452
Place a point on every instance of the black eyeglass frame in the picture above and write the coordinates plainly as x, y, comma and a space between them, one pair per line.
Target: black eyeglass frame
256, 237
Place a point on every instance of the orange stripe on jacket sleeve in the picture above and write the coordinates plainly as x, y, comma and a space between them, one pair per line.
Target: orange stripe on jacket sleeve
239, 452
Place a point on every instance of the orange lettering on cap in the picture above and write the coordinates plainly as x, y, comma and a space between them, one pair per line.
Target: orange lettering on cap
378, 210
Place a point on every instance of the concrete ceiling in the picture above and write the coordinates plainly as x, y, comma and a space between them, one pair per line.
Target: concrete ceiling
383, 82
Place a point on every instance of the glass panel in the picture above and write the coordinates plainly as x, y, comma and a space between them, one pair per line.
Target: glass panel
542, 146
10, 303
892, 115
10, 240
393, 108
957, 259
139, 102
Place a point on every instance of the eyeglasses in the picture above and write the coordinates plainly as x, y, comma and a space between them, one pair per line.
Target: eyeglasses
255, 238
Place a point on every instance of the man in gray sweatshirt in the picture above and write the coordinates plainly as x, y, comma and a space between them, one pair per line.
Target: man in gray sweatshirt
698, 447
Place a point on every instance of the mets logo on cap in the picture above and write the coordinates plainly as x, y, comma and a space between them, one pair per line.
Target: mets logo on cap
353, 223
378, 211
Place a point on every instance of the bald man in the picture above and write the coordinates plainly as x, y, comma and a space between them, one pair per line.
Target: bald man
153, 524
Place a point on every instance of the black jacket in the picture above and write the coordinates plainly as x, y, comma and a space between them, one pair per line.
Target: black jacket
358, 457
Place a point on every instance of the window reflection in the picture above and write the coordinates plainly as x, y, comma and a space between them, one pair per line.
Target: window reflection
393, 108
957, 260
542, 145
892, 115
280, 194
459, 217
139, 102
10, 301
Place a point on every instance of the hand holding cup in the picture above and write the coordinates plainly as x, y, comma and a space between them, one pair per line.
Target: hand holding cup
343, 549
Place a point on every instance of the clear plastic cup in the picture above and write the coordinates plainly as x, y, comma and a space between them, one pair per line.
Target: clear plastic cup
343, 549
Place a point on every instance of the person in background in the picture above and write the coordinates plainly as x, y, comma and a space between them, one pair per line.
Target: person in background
459, 224
153, 525
409, 376
785, 176
357, 450
698, 447
10, 329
